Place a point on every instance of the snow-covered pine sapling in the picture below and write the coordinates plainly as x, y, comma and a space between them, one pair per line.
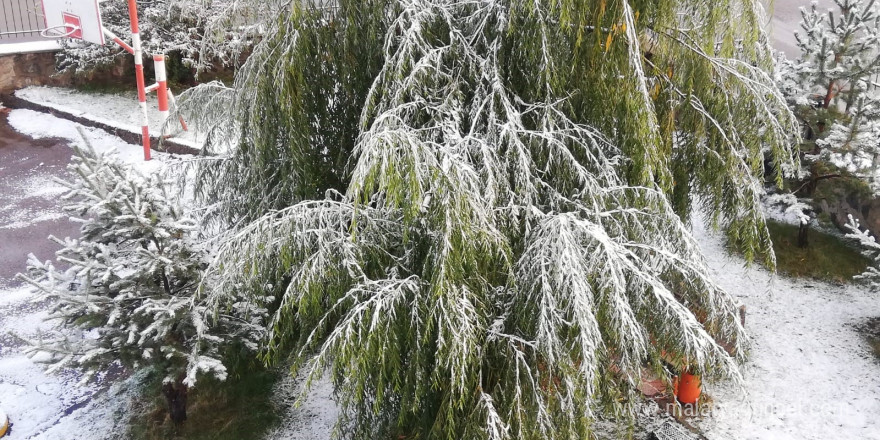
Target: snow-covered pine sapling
830, 88
792, 210
838, 53
870, 248
126, 288
853, 142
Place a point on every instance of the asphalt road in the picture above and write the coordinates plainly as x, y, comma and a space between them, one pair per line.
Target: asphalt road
30, 208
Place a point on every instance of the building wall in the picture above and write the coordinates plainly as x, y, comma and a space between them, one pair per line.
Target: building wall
29, 69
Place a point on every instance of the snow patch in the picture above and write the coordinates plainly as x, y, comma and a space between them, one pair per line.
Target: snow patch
119, 110
35, 401
811, 375
29, 47
38, 184
46, 216
316, 417
51, 406
16, 295
41, 125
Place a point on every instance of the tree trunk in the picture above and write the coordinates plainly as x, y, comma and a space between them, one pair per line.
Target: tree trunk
175, 396
803, 239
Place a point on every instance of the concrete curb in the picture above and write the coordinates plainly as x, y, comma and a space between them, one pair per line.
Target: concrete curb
157, 144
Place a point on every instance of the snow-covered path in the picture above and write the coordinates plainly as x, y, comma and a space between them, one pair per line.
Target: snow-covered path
811, 375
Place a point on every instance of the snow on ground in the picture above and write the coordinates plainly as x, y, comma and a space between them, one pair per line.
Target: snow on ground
313, 420
811, 375
29, 47
37, 185
41, 125
50, 407
114, 109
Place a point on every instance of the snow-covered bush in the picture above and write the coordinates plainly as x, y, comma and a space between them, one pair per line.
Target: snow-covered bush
203, 33
831, 86
128, 285
472, 211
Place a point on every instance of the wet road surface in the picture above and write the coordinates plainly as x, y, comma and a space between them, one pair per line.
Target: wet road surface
30, 205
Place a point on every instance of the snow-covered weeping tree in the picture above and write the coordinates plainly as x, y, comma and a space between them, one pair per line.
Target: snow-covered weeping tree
474, 213
125, 288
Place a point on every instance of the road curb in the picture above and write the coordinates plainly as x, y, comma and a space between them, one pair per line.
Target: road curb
157, 144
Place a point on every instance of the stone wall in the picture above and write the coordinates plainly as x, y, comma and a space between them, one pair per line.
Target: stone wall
29, 69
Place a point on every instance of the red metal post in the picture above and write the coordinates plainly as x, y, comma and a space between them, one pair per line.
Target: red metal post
139, 73
174, 103
118, 41
162, 83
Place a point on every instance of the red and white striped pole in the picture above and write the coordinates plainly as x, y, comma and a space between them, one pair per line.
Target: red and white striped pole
118, 41
164, 95
139, 73
162, 89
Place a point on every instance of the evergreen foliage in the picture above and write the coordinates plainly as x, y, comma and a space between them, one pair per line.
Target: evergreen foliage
832, 87
472, 211
203, 33
126, 286
870, 249
853, 142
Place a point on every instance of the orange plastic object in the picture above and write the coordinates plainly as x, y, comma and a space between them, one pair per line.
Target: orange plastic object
687, 388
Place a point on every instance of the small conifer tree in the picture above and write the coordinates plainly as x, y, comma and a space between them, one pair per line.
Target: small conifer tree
125, 288
831, 87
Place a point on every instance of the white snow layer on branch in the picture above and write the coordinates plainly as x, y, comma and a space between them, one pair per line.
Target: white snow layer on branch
478, 226
129, 281
870, 248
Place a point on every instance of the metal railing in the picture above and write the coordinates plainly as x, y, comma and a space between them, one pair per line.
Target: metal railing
20, 20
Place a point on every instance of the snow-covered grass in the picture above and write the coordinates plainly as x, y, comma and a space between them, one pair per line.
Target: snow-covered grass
241, 407
828, 257
811, 375
41, 125
119, 110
